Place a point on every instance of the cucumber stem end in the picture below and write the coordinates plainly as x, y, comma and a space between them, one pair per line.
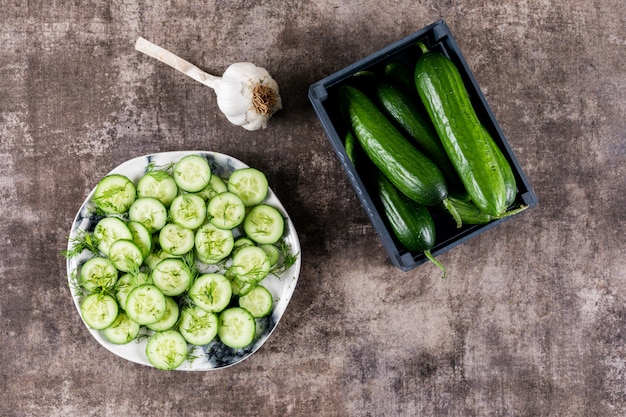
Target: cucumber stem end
455, 215
436, 262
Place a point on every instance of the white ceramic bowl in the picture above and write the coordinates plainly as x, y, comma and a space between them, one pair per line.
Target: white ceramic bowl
215, 355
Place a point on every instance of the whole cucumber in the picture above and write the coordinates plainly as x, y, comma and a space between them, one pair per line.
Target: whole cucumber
411, 223
411, 116
466, 142
401, 162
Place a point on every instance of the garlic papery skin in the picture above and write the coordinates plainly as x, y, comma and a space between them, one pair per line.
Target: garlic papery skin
246, 94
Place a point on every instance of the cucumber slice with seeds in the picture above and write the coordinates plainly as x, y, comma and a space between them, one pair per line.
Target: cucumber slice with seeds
108, 230
97, 274
176, 239
154, 258
128, 282
249, 184
99, 310
172, 276
145, 304
250, 264
264, 224
211, 292
125, 255
169, 319
122, 331
272, 252
150, 212
216, 186
114, 194
213, 244
167, 350
188, 210
198, 327
192, 173
226, 210
237, 327
141, 236
259, 302
158, 184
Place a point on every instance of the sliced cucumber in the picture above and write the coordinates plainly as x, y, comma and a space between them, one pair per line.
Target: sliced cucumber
216, 186
167, 350
236, 327
169, 319
150, 212
249, 184
114, 194
226, 210
211, 292
108, 230
128, 282
145, 304
272, 252
97, 273
172, 276
192, 173
250, 264
240, 287
198, 327
126, 255
155, 257
188, 210
99, 310
213, 244
176, 239
259, 302
242, 242
264, 224
122, 331
158, 184
141, 236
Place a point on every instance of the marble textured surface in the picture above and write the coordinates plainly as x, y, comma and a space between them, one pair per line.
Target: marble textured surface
529, 322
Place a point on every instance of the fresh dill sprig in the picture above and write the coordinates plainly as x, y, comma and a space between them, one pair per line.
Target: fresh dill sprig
287, 259
83, 241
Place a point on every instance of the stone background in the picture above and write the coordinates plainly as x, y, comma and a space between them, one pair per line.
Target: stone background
530, 321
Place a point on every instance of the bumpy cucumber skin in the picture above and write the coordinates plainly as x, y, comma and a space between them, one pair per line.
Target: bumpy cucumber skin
412, 223
510, 184
408, 114
443, 93
405, 166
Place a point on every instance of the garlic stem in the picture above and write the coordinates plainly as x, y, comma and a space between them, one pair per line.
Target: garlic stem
176, 62
246, 94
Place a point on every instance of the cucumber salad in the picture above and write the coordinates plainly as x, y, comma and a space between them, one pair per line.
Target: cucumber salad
182, 258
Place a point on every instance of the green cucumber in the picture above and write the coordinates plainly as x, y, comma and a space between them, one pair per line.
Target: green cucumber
411, 222
467, 144
401, 75
348, 143
507, 173
405, 166
409, 114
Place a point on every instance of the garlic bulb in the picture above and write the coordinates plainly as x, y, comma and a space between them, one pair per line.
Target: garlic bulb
246, 94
